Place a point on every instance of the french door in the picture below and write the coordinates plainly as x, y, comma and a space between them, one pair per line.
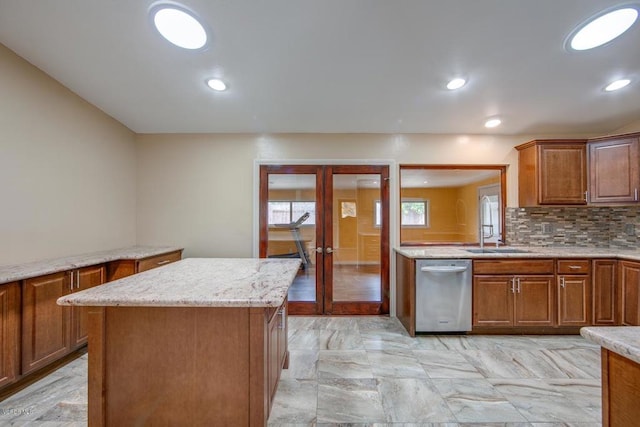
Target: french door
335, 219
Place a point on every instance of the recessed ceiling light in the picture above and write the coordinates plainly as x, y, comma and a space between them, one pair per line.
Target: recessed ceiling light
179, 25
603, 28
491, 123
456, 84
217, 84
618, 84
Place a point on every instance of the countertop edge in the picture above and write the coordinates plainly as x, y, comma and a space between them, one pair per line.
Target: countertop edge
623, 340
197, 283
16, 272
442, 252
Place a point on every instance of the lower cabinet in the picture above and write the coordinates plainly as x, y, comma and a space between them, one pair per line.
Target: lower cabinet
9, 333
604, 292
629, 293
126, 267
504, 296
574, 292
86, 278
50, 331
45, 325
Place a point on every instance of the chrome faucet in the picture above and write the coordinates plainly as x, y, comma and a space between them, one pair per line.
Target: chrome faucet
484, 200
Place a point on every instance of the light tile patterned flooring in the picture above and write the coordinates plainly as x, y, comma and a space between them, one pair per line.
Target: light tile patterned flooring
366, 371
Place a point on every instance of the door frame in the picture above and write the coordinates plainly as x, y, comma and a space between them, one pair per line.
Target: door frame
393, 227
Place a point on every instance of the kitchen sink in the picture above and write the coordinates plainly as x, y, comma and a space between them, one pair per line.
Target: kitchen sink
497, 251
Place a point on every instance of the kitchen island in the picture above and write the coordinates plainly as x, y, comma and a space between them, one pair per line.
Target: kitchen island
620, 373
197, 342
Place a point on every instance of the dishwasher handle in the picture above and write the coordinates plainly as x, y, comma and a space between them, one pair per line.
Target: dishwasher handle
443, 269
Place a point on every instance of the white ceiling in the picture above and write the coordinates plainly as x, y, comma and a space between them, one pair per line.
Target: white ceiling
376, 66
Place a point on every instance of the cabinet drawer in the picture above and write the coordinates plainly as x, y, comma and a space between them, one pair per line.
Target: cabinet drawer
574, 266
513, 266
158, 261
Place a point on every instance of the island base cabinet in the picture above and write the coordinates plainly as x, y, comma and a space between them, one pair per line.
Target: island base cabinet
196, 366
620, 390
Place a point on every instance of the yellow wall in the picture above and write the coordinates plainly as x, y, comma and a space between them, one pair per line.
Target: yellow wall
453, 214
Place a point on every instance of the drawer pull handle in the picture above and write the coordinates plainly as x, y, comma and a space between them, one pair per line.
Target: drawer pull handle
166, 261
575, 267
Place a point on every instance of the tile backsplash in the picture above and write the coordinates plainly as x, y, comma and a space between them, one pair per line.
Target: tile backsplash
603, 227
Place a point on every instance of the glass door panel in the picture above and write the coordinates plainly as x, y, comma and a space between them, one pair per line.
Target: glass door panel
289, 229
357, 278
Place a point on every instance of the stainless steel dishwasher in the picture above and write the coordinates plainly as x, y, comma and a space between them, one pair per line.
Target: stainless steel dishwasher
443, 295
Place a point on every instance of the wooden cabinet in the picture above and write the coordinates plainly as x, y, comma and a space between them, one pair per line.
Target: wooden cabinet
614, 175
604, 292
574, 292
9, 333
552, 172
84, 278
620, 390
278, 353
51, 331
126, 267
513, 293
207, 365
629, 293
45, 325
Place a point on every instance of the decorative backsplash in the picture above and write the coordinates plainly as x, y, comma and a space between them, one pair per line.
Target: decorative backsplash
602, 227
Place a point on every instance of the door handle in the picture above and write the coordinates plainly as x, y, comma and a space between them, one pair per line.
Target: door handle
319, 250
562, 284
329, 250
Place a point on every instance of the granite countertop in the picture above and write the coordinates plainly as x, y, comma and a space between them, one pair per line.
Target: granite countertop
624, 340
198, 282
12, 273
530, 252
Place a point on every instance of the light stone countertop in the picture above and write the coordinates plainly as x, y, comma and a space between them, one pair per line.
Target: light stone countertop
531, 252
198, 282
623, 340
11, 273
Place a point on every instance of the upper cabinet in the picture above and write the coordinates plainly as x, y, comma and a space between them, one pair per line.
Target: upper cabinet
613, 169
552, 172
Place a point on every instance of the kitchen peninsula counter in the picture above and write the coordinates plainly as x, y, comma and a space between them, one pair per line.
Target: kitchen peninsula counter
421, 252
620, 373
197, 342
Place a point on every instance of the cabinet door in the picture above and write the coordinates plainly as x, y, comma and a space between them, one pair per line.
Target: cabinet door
534, 301
604, 292
630, 293
492, 301
283, 351
85, 278
9, 333
613, 171
273, 357
45, 324
563, 174
574, 300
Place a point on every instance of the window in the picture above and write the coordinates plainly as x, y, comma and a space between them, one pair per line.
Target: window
285, 212
414, 213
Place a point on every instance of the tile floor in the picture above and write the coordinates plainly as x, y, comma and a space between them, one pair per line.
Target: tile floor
366, 371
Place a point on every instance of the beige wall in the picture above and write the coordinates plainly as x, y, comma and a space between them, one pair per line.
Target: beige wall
67, 170
631, 127
197, 191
